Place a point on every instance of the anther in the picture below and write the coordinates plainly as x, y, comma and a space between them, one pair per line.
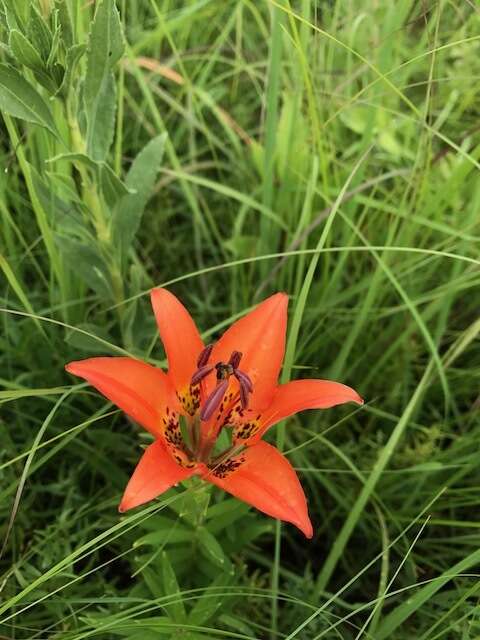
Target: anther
201, 373
213, 400
204, 356
245, 385
235, 359
245, 379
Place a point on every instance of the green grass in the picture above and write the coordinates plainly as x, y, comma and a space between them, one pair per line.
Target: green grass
327, 149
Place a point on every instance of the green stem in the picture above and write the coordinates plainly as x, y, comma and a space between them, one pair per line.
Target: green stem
95, 205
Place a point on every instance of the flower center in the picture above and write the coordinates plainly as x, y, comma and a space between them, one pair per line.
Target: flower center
224, 371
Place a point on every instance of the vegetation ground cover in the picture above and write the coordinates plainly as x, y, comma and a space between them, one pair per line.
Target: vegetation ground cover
228, 150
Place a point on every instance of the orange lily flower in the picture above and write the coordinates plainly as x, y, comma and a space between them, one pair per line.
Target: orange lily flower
231, 385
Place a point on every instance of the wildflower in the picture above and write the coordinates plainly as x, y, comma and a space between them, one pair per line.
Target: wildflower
229, 385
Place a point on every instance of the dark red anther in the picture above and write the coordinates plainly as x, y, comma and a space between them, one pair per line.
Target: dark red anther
213, 400
244, 379
201, 373
243, 394
235, 359
204, 356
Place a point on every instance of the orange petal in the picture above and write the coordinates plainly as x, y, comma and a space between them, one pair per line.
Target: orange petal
155, 473
299, 395
266, 480
179, 335
142, 391
260, 337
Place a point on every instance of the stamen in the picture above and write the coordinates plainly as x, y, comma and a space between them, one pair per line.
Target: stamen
204, 356
245, 379
243, 395
213, 400
224, 371
235, 359
201, 373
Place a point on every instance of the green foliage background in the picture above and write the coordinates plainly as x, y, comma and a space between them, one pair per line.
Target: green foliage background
229, 149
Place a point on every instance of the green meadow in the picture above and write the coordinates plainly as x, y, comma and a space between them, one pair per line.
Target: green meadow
228, 150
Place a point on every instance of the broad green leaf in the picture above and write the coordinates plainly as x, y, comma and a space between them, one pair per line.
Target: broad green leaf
23, 50
73, 56
56, 207
113, 188
225, 513
141, 176
16, 13
85, 261
210, 547
105, 48
20, 99
153, 581
207, 605
26, 54
176, 610
39, 34
166, 531
76, 157
65, 21
101, 128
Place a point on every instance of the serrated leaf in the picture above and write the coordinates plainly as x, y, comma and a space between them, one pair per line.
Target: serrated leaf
51, 60
24, 51
141, 176
101, 128
26, 54
20, 99
72, 58
210, 547
105, 48
65, 21
39, 34
16, 14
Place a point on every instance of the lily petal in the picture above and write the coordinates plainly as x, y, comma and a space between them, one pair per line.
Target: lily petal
260, 337
139, 389
263, 477
179, 335
292, 397
155, 473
